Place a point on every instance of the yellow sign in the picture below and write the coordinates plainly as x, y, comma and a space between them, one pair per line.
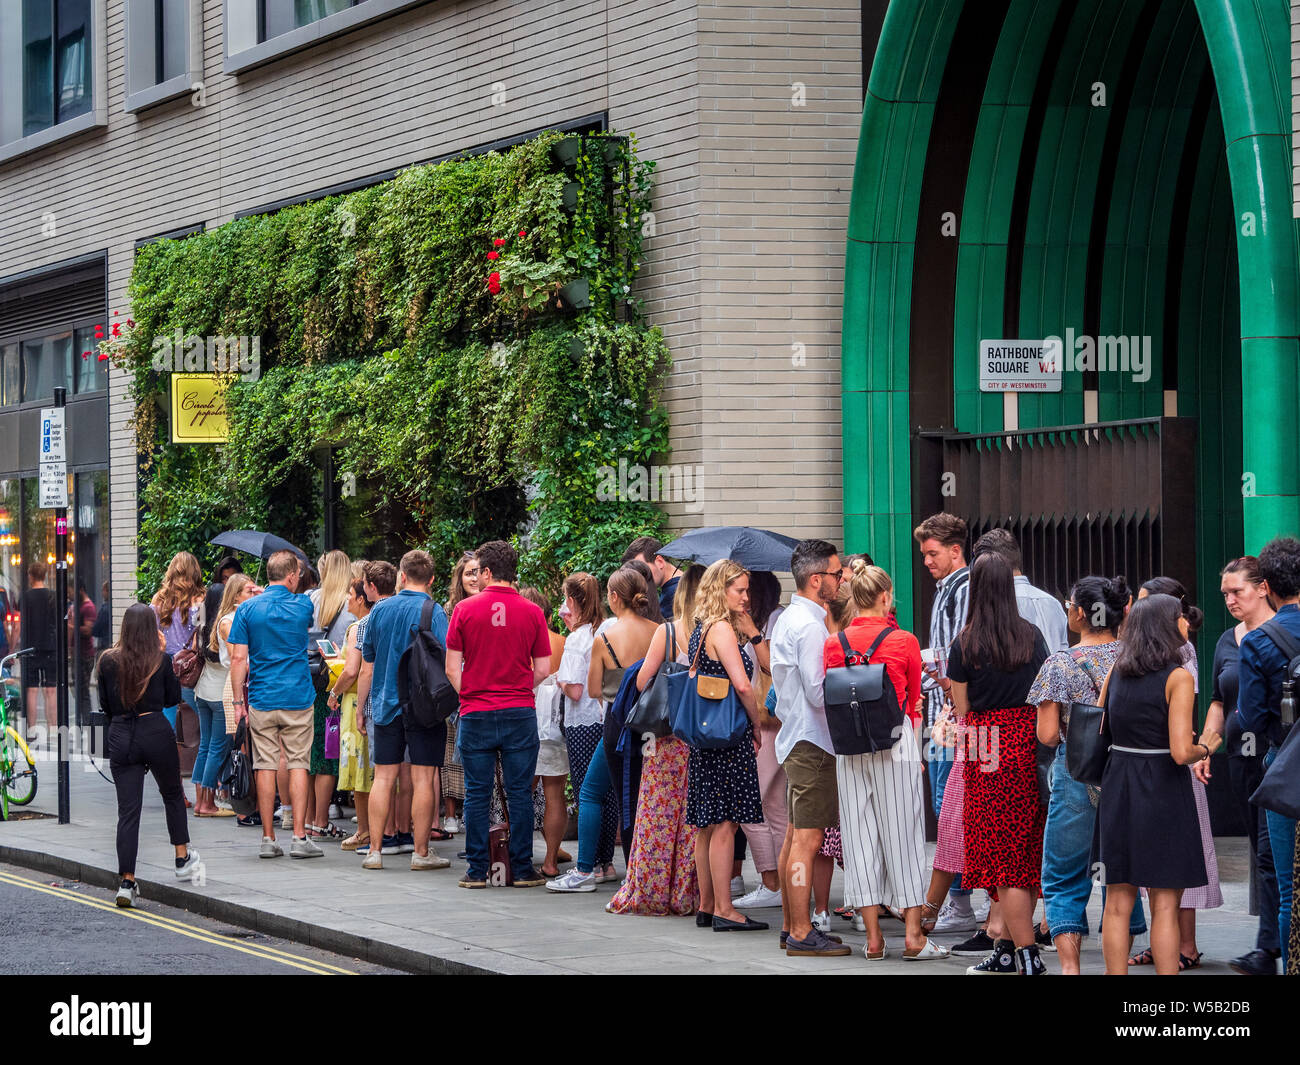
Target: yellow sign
199, 408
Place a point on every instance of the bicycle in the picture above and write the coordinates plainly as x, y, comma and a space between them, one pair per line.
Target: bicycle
17, 767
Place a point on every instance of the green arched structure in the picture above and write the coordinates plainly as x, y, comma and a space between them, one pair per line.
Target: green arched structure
1119, 167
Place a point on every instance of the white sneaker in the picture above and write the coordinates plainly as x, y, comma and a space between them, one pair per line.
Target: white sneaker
737, 886
430, 861
954, 919
820, 921
757, 899
304, 848
270, 848
191, 860
128, 894
859, 923
373, 860
982, 914
335, 813
573, 881
450, 824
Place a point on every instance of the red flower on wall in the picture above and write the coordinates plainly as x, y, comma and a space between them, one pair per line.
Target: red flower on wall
494, 282
493, 255
498, 242
522, 233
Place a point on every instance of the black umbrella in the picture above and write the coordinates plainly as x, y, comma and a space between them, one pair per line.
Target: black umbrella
261, 544
755, 549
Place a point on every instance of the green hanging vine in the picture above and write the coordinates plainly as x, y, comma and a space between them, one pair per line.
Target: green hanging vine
417, 330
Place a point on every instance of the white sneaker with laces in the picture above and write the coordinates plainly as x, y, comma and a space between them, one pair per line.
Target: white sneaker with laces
128, 894
335, 813
859, 923
373, 860
820, 921
572, 881
982, 914
953, 919
270, 848
762, 896
450, 824
737, 886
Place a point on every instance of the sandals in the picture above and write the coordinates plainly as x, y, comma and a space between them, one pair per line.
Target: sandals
354, 841
878, 955
327, 831
437, 835
925, 953
1185, 963
929, 916
847, 912
1144, 957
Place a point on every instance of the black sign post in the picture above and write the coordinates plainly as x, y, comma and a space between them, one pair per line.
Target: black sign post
61, 638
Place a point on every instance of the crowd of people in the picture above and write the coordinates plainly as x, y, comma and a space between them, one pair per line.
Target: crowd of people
985, 714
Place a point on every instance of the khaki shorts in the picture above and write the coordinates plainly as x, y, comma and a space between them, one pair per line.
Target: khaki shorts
271, 728
812, 796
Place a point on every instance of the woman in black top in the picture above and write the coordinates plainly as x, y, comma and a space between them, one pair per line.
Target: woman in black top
1147, 820
135, 683
992, 663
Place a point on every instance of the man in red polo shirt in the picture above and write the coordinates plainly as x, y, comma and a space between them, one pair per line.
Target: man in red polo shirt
498, 651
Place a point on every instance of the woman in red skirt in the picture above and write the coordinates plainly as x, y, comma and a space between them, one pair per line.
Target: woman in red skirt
992, 664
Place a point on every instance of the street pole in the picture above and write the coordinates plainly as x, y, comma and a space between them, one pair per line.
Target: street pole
61, 638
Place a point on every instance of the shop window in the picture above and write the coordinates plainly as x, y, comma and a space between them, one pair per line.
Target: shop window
47, 364
91, 371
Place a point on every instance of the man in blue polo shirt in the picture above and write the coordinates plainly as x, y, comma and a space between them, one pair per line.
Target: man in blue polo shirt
1261, 670
268, 647
389, 628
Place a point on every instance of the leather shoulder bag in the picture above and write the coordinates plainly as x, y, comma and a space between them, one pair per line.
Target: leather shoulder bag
649, 714
1087, 740
706, 721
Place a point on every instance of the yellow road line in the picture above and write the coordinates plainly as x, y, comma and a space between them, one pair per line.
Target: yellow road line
318, 968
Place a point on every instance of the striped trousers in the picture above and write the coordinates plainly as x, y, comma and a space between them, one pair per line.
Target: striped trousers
882, 823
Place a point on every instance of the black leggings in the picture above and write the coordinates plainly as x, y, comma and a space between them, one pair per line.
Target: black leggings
137, 744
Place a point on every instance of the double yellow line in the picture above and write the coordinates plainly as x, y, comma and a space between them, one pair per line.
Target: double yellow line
307, 965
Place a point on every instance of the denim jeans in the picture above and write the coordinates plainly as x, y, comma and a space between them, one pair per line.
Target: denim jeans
1281, 837
213, 743
171, 713
1067, 855
482, 735
591, 807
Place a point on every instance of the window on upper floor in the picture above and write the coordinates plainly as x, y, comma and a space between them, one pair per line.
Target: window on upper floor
164, 50
50, 69
260, 30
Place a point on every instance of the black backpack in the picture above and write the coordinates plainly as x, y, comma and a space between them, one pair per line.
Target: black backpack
424, 693
1287, 644
862, 709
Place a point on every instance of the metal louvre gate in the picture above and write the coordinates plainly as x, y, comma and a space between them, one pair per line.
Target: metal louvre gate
1109, 498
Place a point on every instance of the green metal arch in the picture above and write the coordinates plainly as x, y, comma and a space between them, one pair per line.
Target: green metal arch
1248, 42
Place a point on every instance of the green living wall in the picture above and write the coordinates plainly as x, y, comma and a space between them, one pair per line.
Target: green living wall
463, 338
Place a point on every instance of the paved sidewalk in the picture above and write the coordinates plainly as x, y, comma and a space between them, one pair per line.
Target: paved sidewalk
423, 922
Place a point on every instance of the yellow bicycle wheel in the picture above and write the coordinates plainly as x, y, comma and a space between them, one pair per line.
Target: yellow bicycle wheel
17, 769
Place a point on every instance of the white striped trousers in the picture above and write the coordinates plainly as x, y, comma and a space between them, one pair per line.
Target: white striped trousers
883, 829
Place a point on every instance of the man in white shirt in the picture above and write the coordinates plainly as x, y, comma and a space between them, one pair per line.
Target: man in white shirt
803, 743
1041, 609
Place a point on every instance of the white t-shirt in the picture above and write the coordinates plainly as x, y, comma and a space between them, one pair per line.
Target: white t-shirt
574, 665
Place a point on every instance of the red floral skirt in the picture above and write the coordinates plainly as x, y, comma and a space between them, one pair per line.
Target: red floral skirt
1002, 819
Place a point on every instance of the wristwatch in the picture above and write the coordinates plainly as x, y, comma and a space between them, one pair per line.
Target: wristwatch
756, 639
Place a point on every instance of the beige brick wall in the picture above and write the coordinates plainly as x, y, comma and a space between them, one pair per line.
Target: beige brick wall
751, 194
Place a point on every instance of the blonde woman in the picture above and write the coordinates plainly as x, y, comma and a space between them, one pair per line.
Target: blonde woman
661, 879
176, 605
331, 616
356, 767
723, 790
451, 777
881, 802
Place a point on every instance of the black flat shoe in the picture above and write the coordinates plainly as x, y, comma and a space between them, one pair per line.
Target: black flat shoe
721, 924
703, 920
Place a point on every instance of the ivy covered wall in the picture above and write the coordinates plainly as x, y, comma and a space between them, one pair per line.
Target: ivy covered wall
436, 333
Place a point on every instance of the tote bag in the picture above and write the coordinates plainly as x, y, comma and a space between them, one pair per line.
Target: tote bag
704, 723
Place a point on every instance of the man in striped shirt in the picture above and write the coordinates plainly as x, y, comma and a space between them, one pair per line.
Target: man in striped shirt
941, 539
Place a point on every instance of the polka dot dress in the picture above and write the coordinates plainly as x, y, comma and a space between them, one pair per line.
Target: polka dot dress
722, 784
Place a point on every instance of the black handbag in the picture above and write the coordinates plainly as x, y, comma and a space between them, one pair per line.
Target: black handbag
1087, 743
862, 708
649, 714
1279, 791
237, 773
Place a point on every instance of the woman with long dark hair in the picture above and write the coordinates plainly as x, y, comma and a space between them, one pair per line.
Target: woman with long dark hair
1148, 824
136, 684
211, 711
1210, 896
992, 663
1095, 612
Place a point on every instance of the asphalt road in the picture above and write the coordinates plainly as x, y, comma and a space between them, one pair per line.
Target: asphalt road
50, 926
